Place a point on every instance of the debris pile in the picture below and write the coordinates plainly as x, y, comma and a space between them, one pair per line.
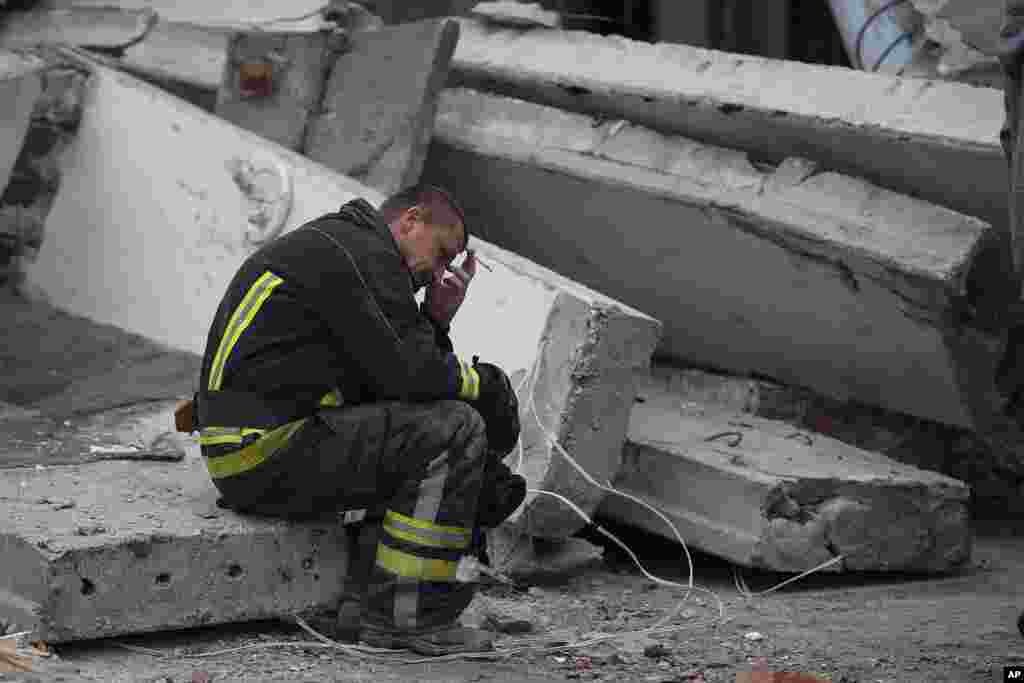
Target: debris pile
623, 231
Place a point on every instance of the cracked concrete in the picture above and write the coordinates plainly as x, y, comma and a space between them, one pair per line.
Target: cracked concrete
765, 494
789, 263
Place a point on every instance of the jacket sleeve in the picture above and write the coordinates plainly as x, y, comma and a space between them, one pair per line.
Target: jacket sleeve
363, 292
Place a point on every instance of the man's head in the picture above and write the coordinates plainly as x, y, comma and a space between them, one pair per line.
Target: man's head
429, 227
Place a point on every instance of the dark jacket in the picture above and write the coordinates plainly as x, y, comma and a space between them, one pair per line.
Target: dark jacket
340, 314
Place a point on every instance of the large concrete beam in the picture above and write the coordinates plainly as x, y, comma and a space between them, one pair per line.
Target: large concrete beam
931, 139
112, 548
815, 279
572, 353
376, 117
169, 229
763, 494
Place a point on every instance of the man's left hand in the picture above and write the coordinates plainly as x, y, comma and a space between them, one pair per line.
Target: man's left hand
447, 292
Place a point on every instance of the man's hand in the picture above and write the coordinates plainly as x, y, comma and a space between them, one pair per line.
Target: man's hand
499, 407
447, 292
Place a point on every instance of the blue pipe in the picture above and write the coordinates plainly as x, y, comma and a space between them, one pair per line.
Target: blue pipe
872, 39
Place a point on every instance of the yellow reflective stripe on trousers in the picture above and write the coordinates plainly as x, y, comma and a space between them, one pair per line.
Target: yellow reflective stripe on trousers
252, 455
426, 533
241, 319
412, 567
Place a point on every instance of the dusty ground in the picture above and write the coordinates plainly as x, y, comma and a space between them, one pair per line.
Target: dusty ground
860, 628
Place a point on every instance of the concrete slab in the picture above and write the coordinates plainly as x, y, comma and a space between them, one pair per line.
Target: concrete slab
812, 278
795, 499
202, 212
143, 547
299, 63
572, 354
21, 85
195, 55
105, 27
378, 108
930, 139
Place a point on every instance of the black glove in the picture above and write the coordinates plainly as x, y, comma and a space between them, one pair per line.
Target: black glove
500, 495
498, 405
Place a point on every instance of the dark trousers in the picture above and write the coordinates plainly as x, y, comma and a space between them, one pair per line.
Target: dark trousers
419, 467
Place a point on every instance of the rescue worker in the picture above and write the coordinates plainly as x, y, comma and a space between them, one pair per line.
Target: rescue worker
325, 388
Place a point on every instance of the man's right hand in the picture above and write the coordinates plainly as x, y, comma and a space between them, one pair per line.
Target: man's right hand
499, 407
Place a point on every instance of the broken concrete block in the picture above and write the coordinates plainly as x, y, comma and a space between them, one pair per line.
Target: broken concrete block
571, 354
529, 559
145, 548
378, 108
817, 280
203, 212
21, 84
763, 494
291, 68
930, 139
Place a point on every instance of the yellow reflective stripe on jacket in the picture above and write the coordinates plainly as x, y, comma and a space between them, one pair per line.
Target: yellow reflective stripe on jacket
241, 319
412, 567
332, 399
469, 387
254, 454
426, 533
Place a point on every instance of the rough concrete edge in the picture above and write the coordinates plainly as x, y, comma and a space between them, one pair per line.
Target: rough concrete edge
922, 288
597, 387
717, 118
423, 130
29, 86
863, 522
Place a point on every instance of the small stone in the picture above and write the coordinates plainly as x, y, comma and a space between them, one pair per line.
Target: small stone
754, 636
656, 650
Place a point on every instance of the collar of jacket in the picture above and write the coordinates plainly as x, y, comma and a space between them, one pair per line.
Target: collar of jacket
361, 212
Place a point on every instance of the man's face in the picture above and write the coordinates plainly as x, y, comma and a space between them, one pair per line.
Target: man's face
428, 248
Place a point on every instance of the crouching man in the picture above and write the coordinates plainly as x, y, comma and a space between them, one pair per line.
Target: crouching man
326, 388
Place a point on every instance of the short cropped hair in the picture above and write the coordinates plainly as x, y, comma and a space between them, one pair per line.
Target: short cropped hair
438, 205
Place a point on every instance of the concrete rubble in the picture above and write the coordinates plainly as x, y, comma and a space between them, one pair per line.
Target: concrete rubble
777, 267
796, 499
572, 355
113, 548
930, 139
576, 349
769, 270
376, 116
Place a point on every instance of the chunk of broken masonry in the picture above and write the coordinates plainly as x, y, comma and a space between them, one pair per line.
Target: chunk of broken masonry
274, 81
763, 494
145, 548
572, 354
376, 116
931, 139
813, 278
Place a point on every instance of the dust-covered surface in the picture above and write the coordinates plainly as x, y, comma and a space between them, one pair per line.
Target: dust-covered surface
860, 628
863, 627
